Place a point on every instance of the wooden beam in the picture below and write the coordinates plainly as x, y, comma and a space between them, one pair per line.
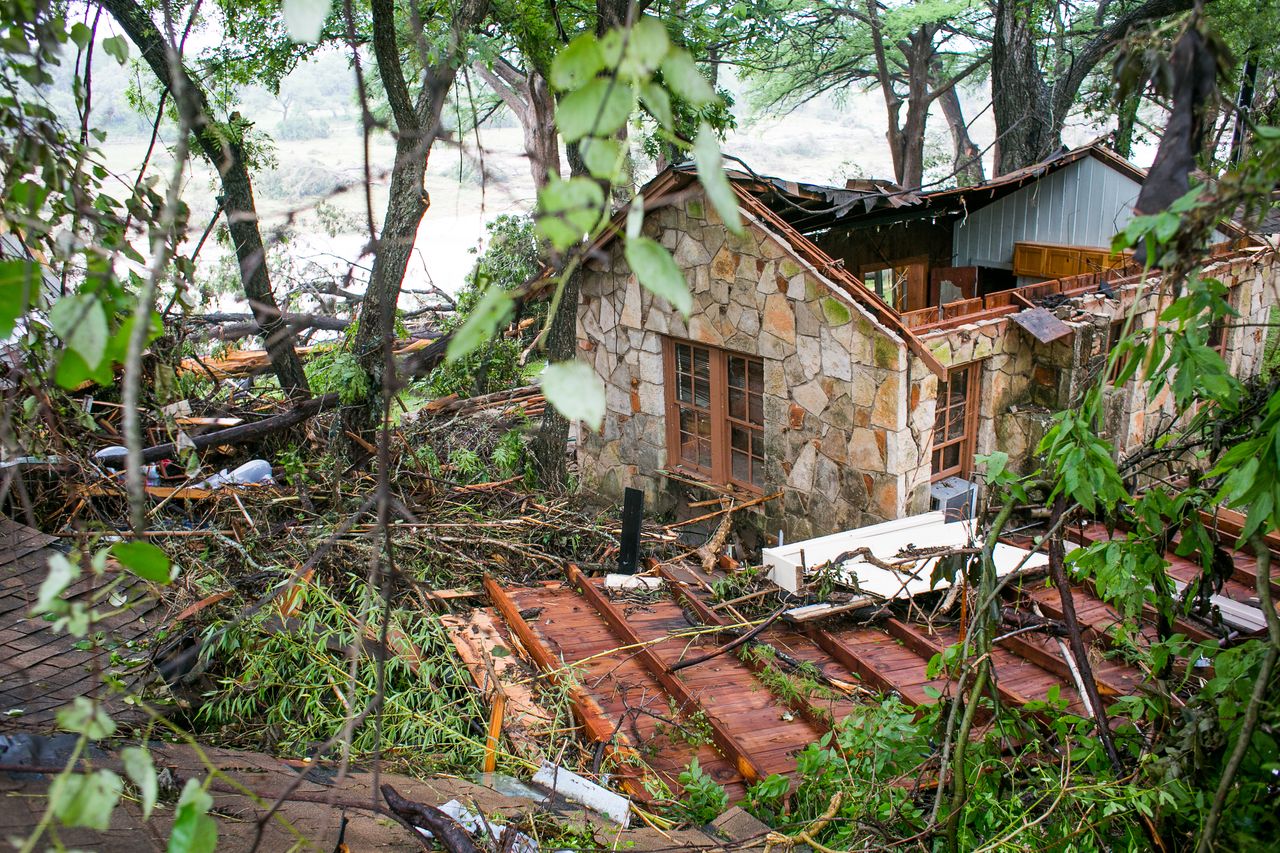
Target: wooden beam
926, 647
709, 617
590, 715
1055, 663
847, 657
675, 687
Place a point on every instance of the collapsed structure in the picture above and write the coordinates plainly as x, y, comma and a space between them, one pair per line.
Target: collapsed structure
855, 348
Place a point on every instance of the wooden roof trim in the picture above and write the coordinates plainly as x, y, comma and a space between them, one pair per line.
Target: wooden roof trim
837, 274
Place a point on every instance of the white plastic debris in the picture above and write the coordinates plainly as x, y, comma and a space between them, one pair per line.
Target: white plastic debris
253, 472
643, 582
474, 823
584, 792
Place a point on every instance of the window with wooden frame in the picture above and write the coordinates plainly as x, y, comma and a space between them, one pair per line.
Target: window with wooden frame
1218, 337
955, 423
715, 413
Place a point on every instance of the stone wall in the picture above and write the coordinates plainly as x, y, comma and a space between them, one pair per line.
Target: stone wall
836, 381
1024, 381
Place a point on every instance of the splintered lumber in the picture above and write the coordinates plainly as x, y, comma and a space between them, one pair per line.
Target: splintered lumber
586, 709
240, 363
478, 640
453, 404
245, 432
723, 738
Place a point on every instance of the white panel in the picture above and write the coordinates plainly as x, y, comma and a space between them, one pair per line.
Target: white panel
885, 542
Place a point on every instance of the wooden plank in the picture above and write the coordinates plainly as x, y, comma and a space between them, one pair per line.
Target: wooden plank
588, 712
859, 665
526, 721
709, 617
1036, 654
723, 738
926, 647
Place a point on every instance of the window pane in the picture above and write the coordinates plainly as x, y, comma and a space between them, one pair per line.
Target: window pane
755, 377
740, 439
741, 467
951, 456
702, 392
704, 448
702, 363
737, 403
737, 372
688, 436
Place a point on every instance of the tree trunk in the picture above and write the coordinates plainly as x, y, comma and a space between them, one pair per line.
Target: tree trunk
1026, 129
417, 124
1030, 113
912, 135
967, 157
225, 153
1126, 124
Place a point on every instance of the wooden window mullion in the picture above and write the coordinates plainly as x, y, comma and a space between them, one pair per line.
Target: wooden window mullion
719, 417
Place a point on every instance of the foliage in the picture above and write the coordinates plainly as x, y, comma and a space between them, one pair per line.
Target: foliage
602, 80
705, 799
304, 126
510, 260
290, 686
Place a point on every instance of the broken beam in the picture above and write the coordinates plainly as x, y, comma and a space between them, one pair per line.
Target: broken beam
676, 688
589, 713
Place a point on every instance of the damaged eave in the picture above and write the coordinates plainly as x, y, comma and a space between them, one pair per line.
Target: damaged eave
834, 271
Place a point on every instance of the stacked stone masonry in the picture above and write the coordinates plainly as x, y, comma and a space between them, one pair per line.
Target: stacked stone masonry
848, 411
835, 401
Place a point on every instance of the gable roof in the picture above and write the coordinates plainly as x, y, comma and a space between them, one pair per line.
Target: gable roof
673, 184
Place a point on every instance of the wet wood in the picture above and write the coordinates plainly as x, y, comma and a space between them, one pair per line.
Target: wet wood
673, 685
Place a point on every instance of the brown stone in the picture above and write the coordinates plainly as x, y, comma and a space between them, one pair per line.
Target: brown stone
884, 411
725, 264
865, 452
778, 319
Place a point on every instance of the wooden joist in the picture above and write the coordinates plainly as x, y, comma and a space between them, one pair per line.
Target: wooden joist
585, 708
672, 684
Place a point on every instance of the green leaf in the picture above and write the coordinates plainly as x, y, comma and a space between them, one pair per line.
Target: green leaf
491, 311
86, 799
62, 573
17, 282
84, 717
683, 77
656, 100
193, 830
304, 19
602, 156
143, 559
117, 48
142, 772
578, 62
80, 34
706, 152
996, 462
657, 271
599, 108
82, 324
569, 209
576, 391
647, 44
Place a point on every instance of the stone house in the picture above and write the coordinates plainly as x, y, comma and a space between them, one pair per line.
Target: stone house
860, 392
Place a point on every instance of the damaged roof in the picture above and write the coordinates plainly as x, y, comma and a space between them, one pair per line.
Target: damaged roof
813, 206
639, 664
